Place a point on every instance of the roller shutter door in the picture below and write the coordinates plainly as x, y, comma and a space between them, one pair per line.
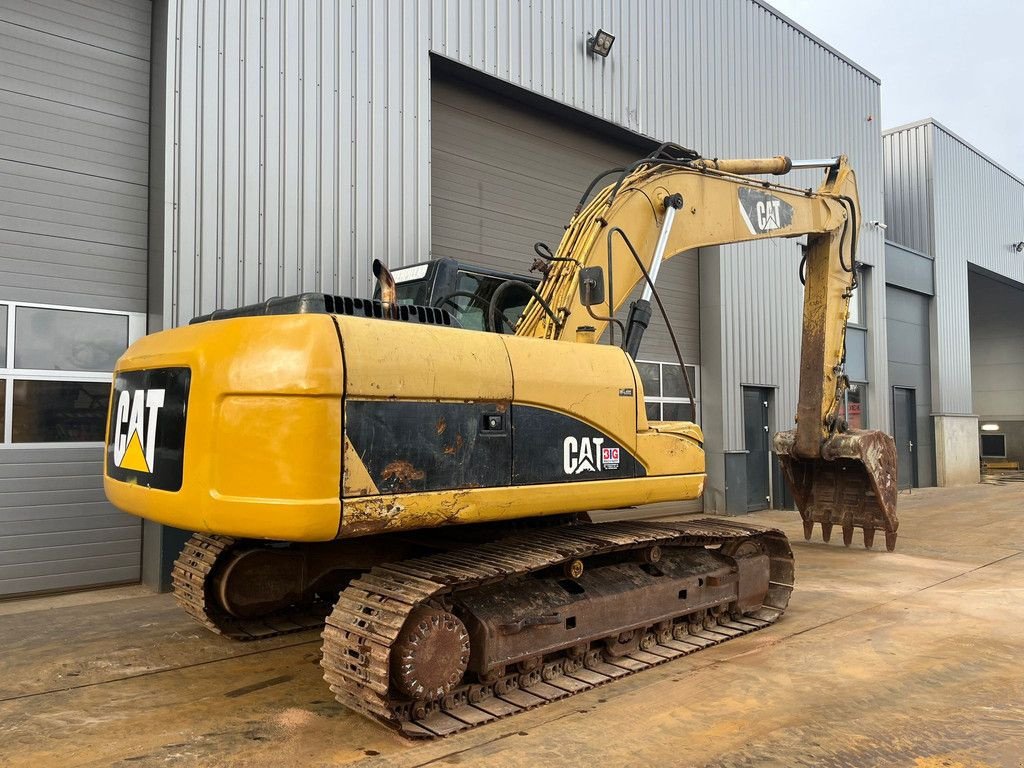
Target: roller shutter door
504, 177
74, 154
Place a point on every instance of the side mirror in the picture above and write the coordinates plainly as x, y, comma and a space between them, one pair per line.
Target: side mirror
591, 286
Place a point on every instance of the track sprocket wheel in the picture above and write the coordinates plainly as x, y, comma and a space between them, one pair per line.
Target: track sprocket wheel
431, 654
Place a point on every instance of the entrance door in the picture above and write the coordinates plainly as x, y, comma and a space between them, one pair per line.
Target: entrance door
904, 418
756, 441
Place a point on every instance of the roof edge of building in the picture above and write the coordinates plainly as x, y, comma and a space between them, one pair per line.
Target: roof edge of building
810, 35
956, 137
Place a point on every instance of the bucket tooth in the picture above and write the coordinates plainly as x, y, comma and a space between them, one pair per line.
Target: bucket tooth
890, 540
847, 534
869, 537
809, 529
826, 531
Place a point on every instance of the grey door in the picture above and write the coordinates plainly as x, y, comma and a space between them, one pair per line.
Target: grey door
756, 402
904, 418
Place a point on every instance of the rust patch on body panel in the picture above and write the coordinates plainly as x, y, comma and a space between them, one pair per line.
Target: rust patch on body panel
403, 473
452, 449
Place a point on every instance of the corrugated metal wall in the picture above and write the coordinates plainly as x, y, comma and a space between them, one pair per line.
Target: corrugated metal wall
299, 147
949, 200
907, 175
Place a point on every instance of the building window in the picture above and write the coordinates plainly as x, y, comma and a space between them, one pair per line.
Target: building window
993, 446
665, 392
858, 313
855, 406
55, 371
858, 299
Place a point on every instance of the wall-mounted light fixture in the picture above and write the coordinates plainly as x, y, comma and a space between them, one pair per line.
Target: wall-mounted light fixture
1018, 247
989, 427
600, 44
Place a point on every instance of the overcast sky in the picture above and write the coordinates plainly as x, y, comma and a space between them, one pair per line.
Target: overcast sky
959, 62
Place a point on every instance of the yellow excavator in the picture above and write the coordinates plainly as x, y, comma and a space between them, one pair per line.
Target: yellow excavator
412, 472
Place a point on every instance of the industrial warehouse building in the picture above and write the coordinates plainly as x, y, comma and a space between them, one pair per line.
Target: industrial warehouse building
160, 160
956, 361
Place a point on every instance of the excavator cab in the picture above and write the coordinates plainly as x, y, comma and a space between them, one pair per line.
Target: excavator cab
466, 291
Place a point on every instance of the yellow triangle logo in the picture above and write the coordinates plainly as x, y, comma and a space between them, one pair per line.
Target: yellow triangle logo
134, 458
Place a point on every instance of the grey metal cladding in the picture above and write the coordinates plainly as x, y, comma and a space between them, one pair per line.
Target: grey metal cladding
907, 171
950, 201
74, 152
298, 140
504, 178
59, 532
74, 144
909, 269
907, 325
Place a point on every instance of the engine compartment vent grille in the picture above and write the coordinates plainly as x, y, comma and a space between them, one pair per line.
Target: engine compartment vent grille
327, 304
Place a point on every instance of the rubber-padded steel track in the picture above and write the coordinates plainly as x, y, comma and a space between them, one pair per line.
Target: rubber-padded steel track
192, 583
366, 621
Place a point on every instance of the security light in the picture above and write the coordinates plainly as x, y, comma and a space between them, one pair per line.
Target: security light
600, 44
1018, 247
989, 427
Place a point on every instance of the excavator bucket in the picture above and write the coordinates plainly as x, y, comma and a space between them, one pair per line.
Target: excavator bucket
852, 484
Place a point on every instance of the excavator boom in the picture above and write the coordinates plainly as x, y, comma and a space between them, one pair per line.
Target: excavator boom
662, 207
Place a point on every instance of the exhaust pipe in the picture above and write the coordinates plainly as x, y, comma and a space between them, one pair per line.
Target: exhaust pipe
388, 291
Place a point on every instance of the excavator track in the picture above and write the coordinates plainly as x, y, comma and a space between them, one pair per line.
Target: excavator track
192, 580
365, 645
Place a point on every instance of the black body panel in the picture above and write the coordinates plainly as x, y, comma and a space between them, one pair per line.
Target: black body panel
147, 427
552, 447
429, 446
415, 446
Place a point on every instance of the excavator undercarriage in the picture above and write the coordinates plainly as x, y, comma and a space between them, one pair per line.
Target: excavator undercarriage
470, 633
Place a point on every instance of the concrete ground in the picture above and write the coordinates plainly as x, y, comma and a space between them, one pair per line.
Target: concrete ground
912, 658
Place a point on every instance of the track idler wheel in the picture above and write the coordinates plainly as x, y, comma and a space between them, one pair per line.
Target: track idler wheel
431, 654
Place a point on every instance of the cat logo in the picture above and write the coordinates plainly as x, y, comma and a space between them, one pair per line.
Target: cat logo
764, 212
135, 429
583, 454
